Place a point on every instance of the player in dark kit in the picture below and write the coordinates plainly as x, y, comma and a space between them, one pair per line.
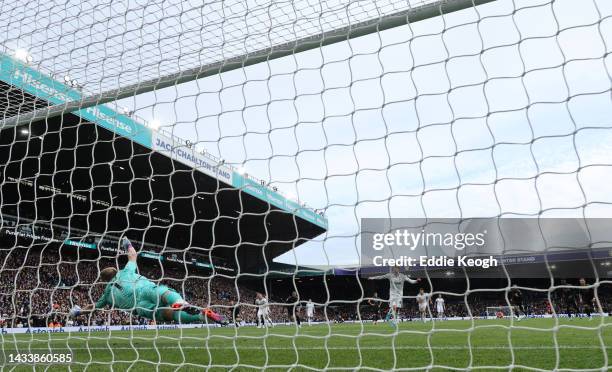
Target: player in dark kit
236, 314
375, 304
292, 302
567, 299
585, 299
516, 301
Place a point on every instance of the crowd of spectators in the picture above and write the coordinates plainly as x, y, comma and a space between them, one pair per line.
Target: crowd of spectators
38, 288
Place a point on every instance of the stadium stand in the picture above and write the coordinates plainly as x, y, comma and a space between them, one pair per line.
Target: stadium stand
39, 292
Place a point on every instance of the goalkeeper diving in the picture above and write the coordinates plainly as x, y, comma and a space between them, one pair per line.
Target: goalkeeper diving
127, 290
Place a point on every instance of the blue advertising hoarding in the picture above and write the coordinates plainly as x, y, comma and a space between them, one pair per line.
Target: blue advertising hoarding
45, 87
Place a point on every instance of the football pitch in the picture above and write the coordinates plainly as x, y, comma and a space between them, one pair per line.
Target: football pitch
484, 345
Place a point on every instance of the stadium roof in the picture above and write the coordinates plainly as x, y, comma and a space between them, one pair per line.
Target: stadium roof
122, 175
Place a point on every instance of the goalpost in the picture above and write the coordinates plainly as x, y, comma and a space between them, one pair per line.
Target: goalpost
242, 145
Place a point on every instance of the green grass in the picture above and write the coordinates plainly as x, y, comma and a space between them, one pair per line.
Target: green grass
484, 344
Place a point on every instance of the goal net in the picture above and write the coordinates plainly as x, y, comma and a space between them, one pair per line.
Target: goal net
228, 184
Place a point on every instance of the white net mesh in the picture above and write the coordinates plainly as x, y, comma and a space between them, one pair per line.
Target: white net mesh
240, 144
109, 45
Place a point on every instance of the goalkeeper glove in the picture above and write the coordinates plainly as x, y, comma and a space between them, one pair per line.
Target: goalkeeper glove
125, 244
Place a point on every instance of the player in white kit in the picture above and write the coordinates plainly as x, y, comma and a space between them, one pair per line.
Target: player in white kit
309, 311
440, 306
263, 311
423, 300
396, 290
